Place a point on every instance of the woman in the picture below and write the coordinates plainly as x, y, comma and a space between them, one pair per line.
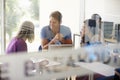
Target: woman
18, 43
99, 31
55, 33
92, 31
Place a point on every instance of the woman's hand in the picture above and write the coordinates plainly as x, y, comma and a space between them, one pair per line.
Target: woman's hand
58, 37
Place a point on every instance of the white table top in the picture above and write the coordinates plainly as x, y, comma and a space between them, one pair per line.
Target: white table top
97, 67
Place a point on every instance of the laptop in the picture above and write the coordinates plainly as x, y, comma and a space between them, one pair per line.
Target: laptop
59, 46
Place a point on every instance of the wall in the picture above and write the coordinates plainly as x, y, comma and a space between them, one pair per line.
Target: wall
108, 9
112, 10
70, 10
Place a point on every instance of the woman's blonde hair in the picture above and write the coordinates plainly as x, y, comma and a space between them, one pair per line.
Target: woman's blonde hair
26, 31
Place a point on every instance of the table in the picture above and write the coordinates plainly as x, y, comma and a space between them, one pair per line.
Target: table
97, 67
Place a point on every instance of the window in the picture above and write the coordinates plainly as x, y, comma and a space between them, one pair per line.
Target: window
18, 11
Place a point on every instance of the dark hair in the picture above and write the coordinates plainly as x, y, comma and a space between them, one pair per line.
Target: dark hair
57, 15
96, 16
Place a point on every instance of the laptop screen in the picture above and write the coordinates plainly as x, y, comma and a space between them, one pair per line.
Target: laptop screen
60, 46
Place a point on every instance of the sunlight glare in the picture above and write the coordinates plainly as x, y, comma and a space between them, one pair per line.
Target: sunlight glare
24, 3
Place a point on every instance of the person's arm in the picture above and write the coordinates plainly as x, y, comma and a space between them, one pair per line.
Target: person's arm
44, 40
60, 38
66, 41
45, 43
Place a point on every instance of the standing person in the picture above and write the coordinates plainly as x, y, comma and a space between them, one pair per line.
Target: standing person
99, 31
85, 34
92, 30
18, 43
55, 33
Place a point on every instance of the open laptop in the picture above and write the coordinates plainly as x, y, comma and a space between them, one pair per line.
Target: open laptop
59, 46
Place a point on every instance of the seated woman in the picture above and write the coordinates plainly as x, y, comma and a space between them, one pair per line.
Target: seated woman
18, 43
55, 33
92, 34
91, 31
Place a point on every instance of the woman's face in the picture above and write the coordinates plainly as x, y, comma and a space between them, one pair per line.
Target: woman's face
54, 24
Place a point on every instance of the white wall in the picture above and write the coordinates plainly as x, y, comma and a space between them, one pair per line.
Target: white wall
112, 10
73, 11
93, 6
108, 9
70, 10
